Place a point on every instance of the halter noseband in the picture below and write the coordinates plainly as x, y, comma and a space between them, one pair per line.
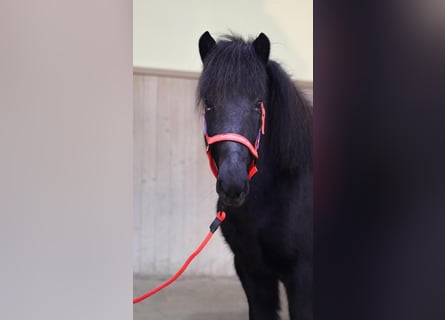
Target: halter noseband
230, 136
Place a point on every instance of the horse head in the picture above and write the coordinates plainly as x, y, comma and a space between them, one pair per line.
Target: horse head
233, 92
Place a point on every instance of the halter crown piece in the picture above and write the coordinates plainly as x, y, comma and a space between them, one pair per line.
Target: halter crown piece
230, 136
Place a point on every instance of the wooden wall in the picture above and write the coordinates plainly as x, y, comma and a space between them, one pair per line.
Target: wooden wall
174, 190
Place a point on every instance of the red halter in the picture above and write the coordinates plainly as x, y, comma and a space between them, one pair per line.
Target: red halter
230, 136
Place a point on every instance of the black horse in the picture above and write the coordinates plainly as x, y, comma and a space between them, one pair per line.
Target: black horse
269, 218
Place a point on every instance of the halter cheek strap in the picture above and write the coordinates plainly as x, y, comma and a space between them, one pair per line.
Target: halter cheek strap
230, 136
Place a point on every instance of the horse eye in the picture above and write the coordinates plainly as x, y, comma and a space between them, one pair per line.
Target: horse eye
258, 106
207, 105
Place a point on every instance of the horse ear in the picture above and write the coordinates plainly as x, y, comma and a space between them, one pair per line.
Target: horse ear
206, 43
262, 47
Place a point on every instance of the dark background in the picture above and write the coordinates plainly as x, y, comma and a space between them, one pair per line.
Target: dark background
379, 154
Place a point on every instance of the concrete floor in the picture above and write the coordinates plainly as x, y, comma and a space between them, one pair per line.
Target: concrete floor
195, 299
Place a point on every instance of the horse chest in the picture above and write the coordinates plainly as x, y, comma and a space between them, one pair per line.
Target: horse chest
275, 241
260, 237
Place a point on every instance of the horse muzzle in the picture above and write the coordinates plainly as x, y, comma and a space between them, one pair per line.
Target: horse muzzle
232, 184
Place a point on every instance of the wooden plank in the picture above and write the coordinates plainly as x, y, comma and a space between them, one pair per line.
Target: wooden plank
163, 172
138, 134
193, 228
149, 177
178, 212
173, 74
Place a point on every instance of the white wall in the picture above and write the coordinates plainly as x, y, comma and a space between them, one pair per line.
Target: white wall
66, 159
166, 33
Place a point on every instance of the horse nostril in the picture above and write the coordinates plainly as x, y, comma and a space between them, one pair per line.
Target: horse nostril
234, 194
231, 190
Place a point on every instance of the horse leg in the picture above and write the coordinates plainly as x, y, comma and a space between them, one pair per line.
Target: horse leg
261, 290
299, 291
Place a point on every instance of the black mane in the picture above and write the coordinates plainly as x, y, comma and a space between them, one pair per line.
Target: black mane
289, 121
